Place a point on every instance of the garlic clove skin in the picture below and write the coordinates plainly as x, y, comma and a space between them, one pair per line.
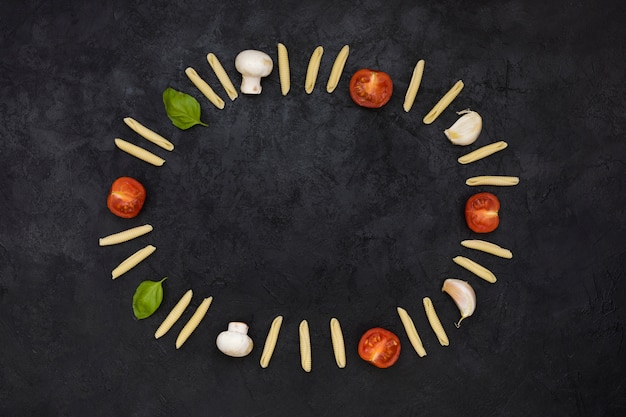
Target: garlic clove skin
463, 295
235, 341
466, 129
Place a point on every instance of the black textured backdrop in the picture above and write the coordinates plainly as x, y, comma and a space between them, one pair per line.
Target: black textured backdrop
311, 207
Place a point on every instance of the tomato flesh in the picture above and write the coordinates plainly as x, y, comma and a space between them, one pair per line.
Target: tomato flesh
126, 197
380, 347
481, 212
371, 88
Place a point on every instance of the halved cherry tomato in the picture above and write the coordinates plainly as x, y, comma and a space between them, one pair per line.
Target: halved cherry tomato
380, 347
126, 197
370, 88
481, 212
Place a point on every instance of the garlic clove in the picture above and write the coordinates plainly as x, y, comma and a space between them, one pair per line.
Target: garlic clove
466, 129
463, 295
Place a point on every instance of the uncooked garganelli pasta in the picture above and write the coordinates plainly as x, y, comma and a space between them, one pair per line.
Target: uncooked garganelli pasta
193, 322
313, 69
283, 69
132, 261
270, 341
414, 85
497, 180
125, 235
174, 314
411, 332
139, 153
483, 152
475, 268
435, 323
204, 88
305, 346
337, 69
222, 76
148, 134
444, 102
339, 348
487, 247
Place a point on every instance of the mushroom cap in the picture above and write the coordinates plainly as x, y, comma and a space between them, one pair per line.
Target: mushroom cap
254, 63
234, 344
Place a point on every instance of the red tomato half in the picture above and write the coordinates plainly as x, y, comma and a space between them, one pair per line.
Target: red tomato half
379, 347
126, 197
369, 88
481, 212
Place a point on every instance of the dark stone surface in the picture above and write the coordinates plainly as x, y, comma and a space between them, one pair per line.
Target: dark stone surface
310, 207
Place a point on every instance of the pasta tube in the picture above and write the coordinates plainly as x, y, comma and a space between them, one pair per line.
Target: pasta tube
270, 342
149, 134
498, 180
414, 85
487, 247
193, 322
283, 69
313, 69
204, 88
337, 69
305, 346
411, 332
339, 348
132, 261
444, 102
435, 323
222, 76
139, 153
174, 315
125, 235
475, 268
483, 152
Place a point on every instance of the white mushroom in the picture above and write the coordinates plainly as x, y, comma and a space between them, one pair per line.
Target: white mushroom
235, 341
253, 65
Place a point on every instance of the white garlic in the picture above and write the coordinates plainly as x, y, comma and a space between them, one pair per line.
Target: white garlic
463, 295
466, 129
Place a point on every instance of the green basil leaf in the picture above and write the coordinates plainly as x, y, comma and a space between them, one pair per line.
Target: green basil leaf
182, 109
147, 298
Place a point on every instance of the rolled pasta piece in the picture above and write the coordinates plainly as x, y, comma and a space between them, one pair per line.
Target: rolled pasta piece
149, 134
283, 69
222, 76
193, 322
204, 88
270, 341
339, 348
411, 332
337, 69
125, 235
444, 102
313, 69
475, 268
305, 346
487, 247
498, 180
139, 153
483, 152
435, 323
174, 314
132, 261
414, 85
